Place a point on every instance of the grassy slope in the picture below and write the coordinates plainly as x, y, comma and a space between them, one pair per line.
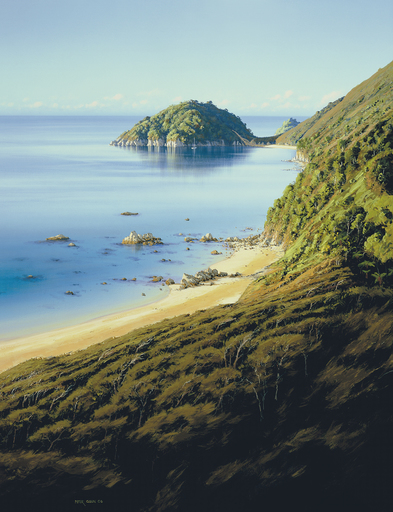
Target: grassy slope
283, 398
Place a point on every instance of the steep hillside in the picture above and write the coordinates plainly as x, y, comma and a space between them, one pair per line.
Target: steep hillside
341, 205
362, 106
282, 400
181, 124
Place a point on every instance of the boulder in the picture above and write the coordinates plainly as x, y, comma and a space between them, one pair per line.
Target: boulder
189, 280
69, 292
169, 281
208, 238
157, 279
71, 245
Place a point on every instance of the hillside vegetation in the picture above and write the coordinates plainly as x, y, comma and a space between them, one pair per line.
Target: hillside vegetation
187, 121
281, 400
287, 125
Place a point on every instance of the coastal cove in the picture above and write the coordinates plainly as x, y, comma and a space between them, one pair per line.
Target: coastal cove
65, 178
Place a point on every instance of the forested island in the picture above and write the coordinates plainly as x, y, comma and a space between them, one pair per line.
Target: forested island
185, 124
281, 399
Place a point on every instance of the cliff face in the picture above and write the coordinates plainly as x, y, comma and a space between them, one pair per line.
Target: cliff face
185, 124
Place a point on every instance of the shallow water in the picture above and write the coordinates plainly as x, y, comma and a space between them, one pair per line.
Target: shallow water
59, 175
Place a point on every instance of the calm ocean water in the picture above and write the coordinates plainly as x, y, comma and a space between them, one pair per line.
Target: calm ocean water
59, 175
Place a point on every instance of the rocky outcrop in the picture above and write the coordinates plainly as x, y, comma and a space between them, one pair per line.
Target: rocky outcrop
147, 239
129, 213
302, 157
203, 276
57, 237
136, 142
161, 143
208, 238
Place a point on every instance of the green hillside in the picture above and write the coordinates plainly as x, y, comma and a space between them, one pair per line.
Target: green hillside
361, 107
187, 121
281, 400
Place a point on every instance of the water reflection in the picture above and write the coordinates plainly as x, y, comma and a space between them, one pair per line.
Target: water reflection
186, 158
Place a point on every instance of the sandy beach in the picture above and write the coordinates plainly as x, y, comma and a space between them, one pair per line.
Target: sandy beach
248, 261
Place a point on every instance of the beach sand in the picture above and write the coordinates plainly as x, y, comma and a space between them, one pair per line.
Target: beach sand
247, 261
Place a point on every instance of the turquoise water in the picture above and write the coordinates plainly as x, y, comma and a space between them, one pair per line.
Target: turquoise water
59, 175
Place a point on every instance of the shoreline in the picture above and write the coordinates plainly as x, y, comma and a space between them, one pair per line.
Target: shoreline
246, 260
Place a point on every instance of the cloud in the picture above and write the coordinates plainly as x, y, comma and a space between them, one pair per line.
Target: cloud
223, 103
143, 102
93, 104
288, 94
331, 96
265, 104
304, 98
178, 99
153, 92
55, 105
276, 97
116, 97
36, 104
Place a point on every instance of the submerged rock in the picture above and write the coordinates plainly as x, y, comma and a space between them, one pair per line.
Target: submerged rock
129, 213
69, 292
71, 244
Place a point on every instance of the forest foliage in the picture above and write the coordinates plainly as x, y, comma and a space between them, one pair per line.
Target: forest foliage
189, 121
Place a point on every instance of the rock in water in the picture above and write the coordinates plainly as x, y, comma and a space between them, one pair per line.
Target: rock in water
147, 239
129, 213
208, 238
58, 237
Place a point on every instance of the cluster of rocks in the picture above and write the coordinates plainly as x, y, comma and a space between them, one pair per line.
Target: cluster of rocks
203, 276
158, 279
248, 242
147, 239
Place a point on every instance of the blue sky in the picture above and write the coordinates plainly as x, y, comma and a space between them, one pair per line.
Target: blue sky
253, 57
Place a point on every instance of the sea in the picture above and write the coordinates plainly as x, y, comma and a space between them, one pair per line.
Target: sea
59, 175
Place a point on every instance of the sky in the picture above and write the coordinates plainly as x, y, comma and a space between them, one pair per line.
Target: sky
134, 57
